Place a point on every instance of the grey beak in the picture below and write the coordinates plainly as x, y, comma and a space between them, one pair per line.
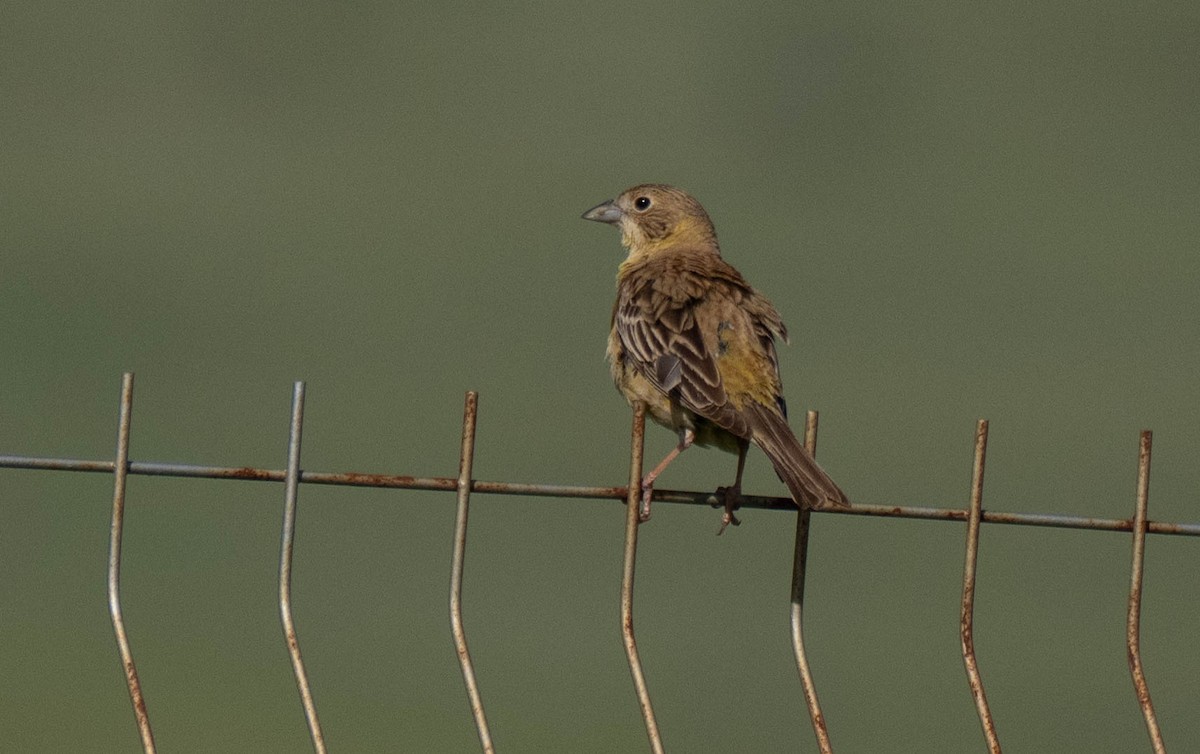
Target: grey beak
608, 212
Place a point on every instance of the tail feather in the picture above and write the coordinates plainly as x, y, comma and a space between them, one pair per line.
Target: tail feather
808, 482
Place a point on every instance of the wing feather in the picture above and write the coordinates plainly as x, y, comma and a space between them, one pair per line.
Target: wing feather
663, 338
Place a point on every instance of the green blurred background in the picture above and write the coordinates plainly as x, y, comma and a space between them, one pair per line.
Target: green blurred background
961, 212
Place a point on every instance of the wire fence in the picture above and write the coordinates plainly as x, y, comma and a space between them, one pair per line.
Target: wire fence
464, 485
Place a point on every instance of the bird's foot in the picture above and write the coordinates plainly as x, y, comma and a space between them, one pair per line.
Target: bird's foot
644, 506
730, 498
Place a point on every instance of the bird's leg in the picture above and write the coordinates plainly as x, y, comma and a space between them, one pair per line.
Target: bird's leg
686, 438
732, 494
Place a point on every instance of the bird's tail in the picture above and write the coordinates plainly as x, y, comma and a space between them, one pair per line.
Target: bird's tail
808, 482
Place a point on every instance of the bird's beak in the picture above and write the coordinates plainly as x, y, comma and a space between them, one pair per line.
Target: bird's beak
608, 212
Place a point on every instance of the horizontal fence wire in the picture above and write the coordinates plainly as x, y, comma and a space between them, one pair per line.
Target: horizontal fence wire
463, 486
482, 487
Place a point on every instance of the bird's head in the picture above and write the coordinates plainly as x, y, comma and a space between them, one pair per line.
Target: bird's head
653, 217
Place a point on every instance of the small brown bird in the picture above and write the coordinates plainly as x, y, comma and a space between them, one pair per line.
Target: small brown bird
693, 341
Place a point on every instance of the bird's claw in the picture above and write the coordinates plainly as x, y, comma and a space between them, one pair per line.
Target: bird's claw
644, 506
727, 518
729, 498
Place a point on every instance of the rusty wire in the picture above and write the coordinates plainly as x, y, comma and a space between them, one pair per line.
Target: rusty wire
120, 469
633, 502
483, 487
466, 459
1133, 623
967, 621
291, 486
293, 476
799, 569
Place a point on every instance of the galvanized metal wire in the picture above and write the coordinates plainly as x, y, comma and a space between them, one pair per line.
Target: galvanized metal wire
457, 630
1133, 625
293, 476
799, 569
683, 497
120, 470
633, 501
967, 619
291, 488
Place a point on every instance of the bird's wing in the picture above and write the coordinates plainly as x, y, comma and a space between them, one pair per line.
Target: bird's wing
664, 325
708, 341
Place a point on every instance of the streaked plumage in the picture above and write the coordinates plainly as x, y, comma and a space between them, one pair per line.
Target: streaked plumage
696, 343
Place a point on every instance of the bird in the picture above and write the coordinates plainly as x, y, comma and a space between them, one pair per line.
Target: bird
693, 341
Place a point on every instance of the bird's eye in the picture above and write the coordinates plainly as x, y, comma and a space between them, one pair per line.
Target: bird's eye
642, 203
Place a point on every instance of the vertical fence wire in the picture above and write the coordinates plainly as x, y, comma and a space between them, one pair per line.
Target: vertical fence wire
466, 460
633, 502
799, 569
967, 618
120, 474
1139, 526
1133, 623
291, 484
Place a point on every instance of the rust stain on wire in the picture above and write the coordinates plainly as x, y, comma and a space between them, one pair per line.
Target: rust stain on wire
799, 570
1134, 620
120, 469
291, 485
632, 505
448, 484
466, 459
293, 476
967, 624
